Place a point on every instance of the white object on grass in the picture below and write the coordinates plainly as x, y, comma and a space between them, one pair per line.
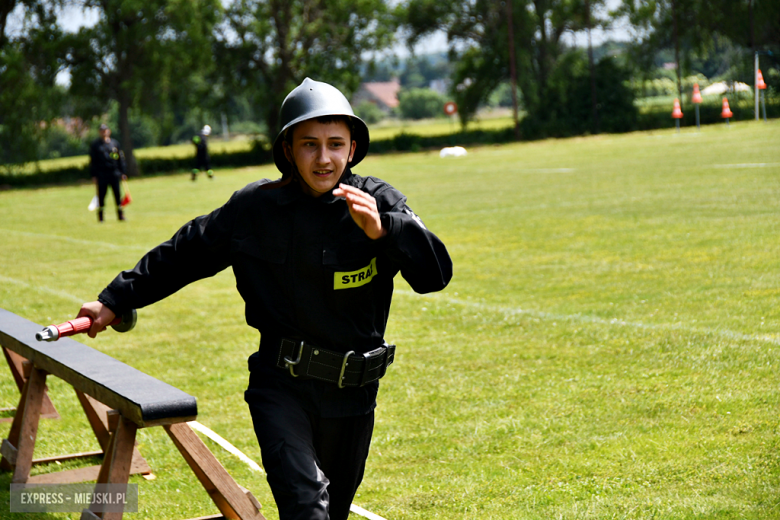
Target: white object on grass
195, 425
362, 512
453, 151
94, 204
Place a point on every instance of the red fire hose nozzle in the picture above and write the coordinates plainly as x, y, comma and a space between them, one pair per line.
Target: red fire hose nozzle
122, 323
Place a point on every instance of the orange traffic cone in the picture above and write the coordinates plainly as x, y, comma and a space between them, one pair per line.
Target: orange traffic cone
761, 86
676, 111
726, 112
760, 81
696, 98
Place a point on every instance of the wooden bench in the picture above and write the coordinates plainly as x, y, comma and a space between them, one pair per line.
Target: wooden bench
118, 400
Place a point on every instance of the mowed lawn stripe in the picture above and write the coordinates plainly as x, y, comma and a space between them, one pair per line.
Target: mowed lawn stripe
607, 347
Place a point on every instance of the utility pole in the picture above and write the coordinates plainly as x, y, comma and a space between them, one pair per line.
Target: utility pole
755, 53
677, 51
593, 98
512, 69
755, 81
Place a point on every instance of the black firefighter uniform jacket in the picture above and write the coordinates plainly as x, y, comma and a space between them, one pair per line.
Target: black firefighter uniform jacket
304, 268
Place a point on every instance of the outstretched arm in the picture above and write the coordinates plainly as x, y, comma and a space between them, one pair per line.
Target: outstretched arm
101, 316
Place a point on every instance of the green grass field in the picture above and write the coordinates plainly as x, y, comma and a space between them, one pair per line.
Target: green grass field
608, 347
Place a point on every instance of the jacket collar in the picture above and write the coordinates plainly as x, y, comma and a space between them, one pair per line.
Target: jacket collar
292, 191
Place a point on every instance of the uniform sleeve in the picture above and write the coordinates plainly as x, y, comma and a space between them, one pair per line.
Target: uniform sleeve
423, 259
199, 249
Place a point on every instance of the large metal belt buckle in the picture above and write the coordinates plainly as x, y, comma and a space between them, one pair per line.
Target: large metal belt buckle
344, 367
289, 363
367, 357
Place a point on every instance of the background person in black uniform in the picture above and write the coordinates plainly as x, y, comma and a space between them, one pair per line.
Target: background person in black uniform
202, 160
314, 254
107, 167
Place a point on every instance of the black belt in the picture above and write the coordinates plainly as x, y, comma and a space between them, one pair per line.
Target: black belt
350, 369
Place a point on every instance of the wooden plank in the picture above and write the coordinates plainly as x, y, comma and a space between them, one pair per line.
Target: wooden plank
14, 361
138, 396
89, 515
16, 428
96, 416
181, 443
29, 425
87, 474
226, 494
251, 497
9, 452
119, 456
70, 476
16, 365
70, 456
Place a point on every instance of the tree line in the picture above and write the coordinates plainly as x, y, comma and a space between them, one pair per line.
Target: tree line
168, 59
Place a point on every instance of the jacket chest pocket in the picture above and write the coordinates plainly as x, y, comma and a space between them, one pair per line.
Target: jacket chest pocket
259, 248
352, 264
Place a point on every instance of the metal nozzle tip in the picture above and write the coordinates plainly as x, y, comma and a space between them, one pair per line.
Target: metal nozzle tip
48, 334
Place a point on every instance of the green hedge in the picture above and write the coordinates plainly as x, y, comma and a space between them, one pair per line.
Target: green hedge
648, 119
260, 153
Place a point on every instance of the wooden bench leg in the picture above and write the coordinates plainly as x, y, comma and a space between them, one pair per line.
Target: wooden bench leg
11, 444
228, 496
117, 460
97, 415
15, 364
25, 430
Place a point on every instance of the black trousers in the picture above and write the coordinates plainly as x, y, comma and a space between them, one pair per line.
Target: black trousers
103, 184
202, 161
314, 465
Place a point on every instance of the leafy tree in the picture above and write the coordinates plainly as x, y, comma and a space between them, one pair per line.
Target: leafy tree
369, 112
420, 103
419, 71
29, 62
571, 87
697, 30
478, 34
148, 54
267, 47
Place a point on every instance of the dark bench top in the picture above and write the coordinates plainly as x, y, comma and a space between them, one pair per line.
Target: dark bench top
139, 397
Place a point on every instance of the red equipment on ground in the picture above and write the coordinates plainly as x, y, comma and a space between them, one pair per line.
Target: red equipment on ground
127, 199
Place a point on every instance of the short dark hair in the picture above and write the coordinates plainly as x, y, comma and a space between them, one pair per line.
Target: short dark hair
335, 118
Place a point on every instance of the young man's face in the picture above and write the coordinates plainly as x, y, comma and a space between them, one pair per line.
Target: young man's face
321, 152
